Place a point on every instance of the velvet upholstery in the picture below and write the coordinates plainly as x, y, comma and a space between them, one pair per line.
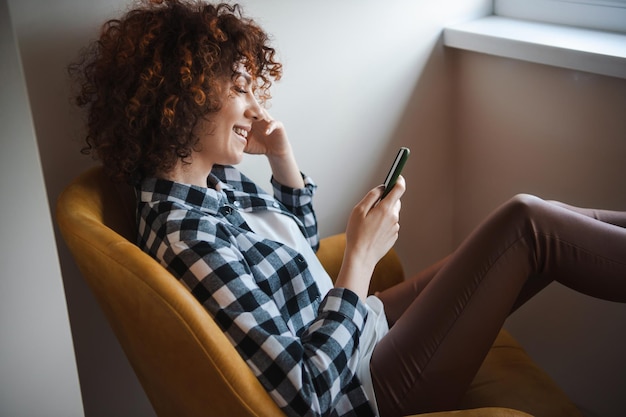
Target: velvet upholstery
185, 363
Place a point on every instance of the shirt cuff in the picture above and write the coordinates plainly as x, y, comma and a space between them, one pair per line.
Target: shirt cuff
295, 197
346, 303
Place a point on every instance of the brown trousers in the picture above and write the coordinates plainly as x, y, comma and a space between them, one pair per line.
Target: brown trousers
444, 320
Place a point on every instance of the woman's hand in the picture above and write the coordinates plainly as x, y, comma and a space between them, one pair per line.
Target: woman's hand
268, 137
373, 225
372, 230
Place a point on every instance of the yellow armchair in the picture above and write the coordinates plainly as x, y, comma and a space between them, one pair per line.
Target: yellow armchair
184, 362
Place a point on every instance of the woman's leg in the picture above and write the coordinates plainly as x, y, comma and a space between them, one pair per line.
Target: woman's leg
434, 349
399, 297
617, 218
533, 285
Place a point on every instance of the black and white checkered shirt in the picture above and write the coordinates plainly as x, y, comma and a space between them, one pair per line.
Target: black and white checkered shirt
302, 348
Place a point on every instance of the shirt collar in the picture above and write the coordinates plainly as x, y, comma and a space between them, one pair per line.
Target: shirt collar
225, 185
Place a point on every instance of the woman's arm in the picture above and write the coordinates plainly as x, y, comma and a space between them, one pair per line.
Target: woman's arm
306, 369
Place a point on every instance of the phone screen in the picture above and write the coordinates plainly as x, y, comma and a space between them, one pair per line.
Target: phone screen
395, 169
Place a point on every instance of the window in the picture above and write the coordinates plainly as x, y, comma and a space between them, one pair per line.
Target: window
583, 35
607, 15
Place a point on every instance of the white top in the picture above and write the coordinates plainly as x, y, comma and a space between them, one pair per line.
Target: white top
280, 228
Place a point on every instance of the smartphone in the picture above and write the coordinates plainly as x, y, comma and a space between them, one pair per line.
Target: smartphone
396, 169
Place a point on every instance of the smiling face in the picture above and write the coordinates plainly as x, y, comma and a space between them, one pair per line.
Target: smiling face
223, 137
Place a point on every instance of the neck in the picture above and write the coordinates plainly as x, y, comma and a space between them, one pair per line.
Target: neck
188, 174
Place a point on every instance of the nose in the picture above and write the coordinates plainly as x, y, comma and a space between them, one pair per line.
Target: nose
253, 108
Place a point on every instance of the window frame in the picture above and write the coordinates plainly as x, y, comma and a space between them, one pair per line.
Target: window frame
607, 15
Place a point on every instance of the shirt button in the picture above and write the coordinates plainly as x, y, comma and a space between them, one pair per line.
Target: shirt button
275, 204
236, 203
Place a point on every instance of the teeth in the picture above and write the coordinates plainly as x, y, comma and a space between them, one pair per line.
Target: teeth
241, 132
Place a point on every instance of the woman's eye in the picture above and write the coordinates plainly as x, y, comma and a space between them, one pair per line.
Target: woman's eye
241, 90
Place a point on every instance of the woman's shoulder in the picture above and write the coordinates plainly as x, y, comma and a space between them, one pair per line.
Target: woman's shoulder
164, 195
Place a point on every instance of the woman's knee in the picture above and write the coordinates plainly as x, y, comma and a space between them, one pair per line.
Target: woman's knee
526, 199
524, 207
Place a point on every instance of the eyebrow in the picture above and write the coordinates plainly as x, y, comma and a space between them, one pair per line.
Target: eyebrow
245, 76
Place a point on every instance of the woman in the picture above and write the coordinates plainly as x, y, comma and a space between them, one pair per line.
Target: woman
174, 93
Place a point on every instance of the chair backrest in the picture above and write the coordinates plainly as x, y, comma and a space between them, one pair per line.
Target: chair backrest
183, 360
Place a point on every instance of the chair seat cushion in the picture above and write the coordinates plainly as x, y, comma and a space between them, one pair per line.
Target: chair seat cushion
509, 378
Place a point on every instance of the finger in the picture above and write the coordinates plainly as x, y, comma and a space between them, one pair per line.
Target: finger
398, 207
273, 125
265, 115
377, 192
372, 197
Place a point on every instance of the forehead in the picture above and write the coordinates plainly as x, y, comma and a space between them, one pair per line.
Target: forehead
242, 77
240, 71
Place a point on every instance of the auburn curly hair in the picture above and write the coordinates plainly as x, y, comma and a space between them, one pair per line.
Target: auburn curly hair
155, 72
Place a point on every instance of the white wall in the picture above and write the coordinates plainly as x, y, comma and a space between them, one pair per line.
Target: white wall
361, 78
38, 375
352, 69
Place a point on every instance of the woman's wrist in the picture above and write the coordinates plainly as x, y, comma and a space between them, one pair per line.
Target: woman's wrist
285, 170
355, 274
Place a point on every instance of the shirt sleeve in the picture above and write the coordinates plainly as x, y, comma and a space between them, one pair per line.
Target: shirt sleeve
307, 369
299, 201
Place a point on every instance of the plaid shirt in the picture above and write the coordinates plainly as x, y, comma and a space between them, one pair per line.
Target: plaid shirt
302, 348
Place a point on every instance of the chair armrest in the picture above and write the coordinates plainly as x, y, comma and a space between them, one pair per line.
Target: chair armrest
388, 271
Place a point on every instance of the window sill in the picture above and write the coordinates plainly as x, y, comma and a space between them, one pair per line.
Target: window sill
562, 46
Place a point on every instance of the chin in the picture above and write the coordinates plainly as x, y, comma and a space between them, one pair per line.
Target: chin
235, 160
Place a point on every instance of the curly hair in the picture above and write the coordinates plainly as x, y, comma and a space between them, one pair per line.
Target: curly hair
154, 73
